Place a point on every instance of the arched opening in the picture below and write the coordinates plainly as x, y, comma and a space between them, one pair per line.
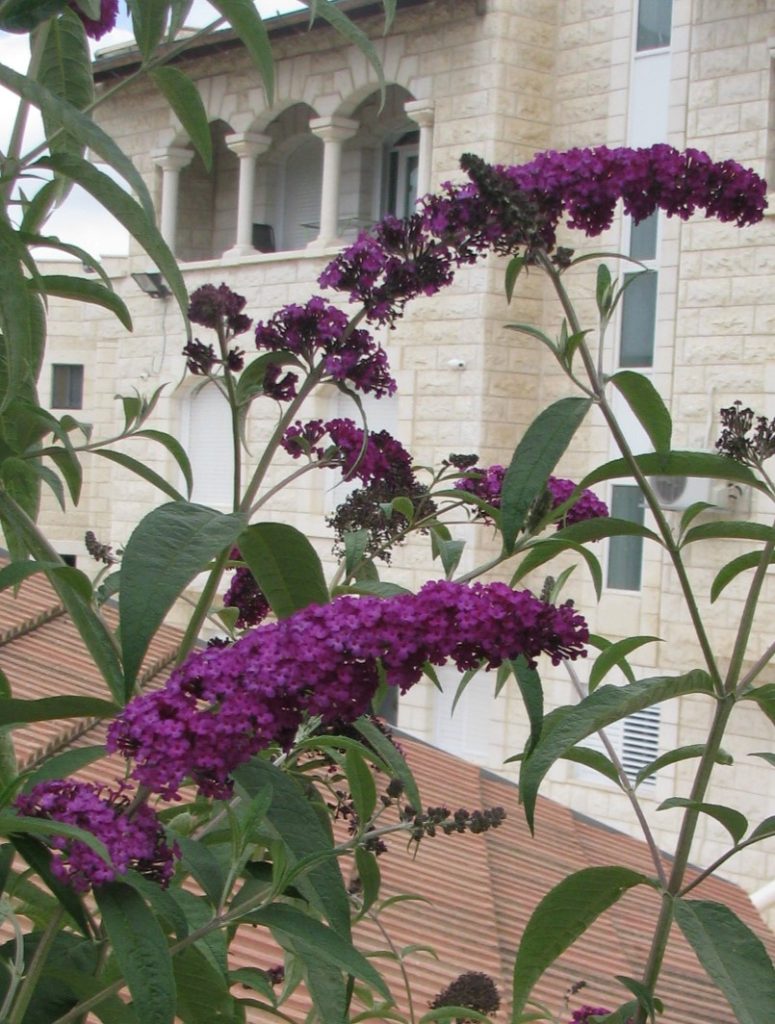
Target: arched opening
207, 202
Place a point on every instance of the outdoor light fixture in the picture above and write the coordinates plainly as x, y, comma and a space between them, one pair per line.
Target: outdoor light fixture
152, 284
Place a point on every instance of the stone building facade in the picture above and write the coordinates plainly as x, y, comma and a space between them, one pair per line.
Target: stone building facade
292, 182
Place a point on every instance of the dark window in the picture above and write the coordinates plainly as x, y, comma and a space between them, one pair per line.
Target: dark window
654, 20
625, 553
403, 160
67, 386
643, 238
639, 317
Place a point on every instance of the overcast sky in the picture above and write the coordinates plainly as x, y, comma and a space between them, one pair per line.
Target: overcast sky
81, 219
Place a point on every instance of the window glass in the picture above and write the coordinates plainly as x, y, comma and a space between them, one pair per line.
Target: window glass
403, 161
66, 386
625, 553
639, 316
643, 238
210, 447
654, 20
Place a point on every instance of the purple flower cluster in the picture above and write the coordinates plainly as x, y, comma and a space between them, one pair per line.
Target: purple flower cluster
225, 704
133, 839
319, 329
519, 207
487, 484
378, 457
588, 1014
219, 309
586, 506
96, 28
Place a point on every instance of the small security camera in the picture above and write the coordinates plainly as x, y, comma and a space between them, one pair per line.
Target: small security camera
456, 364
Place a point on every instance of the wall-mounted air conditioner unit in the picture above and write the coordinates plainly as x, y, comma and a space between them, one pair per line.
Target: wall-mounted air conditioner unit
679, 492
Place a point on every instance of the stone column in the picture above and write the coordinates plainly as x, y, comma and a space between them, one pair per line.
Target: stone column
172, 161
333, 131
247, 146
421, 112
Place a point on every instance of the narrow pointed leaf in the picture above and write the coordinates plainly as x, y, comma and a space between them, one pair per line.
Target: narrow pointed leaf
387, 751
764, 830
732, 570
312, 939
246, 22
61, 765
562, 916
16, 319
764, 697
677, 463
17, 712
32, 239
529, 683
765, 756
370, 876
545, 550
167, 549
533, 332
734, 957
285, 565
176, 449
361, 783
65, 70
604, 527
648, 406
515, 265
68, 465
567, 726
81, 127
733, 821
38, 856
596, 760
86, 291
149, 18
142, 470
729, 530
203, 991
614, 655
536, 455
205, 867
680, 754
128, 212
302, 833
183, 96
141, 951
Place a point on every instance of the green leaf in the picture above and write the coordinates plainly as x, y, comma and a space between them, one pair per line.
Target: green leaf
149, 18
677, 463
313, 940
693, 511
602, 528
251, 380
369, 874
141, 469
733, 821
536, 455
596, 760
81, 127
765, 756
680, 754
203, 991
246, 22
302, 833
90, 626
544, 550
285, 565
59, 766
764, 697
65, 70
84, 291
38, 857
603, 291
361, 783
643, 995
355, 544
732, 569
567, 726
25, 15
764, 830
183, 96
392, 757
648, 406
513, 269
561, 917
449, 551
16, 318
205, 867
734, 958
730, 530
13, 825
127, 212
68, 465
529, 682
534, 332
614, 654
176, 449
16, 712
141, 951
167, 549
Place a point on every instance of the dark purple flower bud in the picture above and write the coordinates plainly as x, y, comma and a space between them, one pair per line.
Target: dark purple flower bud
218, 308
248, 598
235, 359
200, 358
97, 28
282, 388
474, 990
588, 1014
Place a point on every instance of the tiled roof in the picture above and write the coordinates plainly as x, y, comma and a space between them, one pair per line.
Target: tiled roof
478, 891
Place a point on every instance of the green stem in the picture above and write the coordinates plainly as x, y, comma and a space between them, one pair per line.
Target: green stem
37, 41
651, 499
746, 619
683, 849
202, 607
36, 967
